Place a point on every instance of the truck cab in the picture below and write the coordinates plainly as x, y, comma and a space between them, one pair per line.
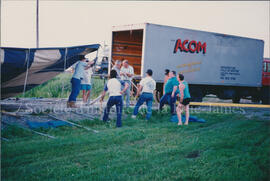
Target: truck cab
102, 66
265, 90
266, 72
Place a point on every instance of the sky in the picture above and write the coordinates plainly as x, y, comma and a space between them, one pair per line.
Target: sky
71, 23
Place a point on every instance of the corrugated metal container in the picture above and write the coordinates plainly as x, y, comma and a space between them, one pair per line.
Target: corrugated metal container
204, 58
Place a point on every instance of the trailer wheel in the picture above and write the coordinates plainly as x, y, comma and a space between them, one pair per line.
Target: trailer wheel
255, 99
159, 91
157, 96
196, 93
236, 99
266, 95
265, 101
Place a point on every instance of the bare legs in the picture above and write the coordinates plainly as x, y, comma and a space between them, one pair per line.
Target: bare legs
179, 111
86, 95
187, 114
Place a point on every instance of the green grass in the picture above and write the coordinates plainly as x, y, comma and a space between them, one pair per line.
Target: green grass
228, 147
60, 87
266, 114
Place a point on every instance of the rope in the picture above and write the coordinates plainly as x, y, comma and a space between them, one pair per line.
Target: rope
65, 60
65, 64
26, 76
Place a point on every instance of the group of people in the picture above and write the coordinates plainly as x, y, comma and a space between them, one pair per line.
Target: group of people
119, 85
81, 80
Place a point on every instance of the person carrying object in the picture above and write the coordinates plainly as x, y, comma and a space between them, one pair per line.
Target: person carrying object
114, 86
171, 92
85, 82
126, 74
78, 75
184, 100
147, 86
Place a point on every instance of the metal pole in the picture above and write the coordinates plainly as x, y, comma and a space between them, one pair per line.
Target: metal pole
37, 24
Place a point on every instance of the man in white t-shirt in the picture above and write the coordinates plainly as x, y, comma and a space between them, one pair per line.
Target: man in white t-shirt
126, 74
114, 86
147, 86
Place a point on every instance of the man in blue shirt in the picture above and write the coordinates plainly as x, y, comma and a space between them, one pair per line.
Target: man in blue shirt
78, 75
171, 91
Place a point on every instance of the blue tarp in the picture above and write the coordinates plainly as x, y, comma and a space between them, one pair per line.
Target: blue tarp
42, 63
174, 118
47, 124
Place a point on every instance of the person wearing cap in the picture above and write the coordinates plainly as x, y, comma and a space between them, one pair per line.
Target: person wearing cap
78, 75
166, 78
146, 87
171, 91
184, 100
117, 68
126, 74
114, 86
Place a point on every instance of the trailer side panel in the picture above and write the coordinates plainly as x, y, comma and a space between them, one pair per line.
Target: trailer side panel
204, 58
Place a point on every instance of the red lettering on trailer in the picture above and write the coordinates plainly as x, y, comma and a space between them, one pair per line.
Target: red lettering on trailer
192, 47
200, 47
184, 48
194, 43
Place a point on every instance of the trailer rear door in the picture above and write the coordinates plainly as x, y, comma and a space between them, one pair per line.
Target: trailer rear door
127, 45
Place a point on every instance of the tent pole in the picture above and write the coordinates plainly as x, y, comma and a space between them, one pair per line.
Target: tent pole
37, 24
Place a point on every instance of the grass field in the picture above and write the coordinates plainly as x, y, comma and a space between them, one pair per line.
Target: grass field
60, 87
227, 147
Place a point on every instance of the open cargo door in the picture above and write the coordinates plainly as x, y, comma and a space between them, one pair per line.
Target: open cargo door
127, 45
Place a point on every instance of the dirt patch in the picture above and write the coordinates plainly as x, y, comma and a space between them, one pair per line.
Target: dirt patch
193, 154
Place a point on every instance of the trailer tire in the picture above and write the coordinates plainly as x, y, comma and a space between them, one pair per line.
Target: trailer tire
196, 93
236, 99
159, 91
266, 95
255, 99
157, 96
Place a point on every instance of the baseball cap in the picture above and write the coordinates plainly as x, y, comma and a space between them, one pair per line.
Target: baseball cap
149, 72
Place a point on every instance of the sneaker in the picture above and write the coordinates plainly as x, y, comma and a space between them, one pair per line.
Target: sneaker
133, 117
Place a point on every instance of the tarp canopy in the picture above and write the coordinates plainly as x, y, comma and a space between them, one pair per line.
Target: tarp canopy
34, 66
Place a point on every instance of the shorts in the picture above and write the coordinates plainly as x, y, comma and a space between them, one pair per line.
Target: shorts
186, 101
85, 87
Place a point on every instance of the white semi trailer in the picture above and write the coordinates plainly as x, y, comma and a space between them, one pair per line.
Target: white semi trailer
229, 67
